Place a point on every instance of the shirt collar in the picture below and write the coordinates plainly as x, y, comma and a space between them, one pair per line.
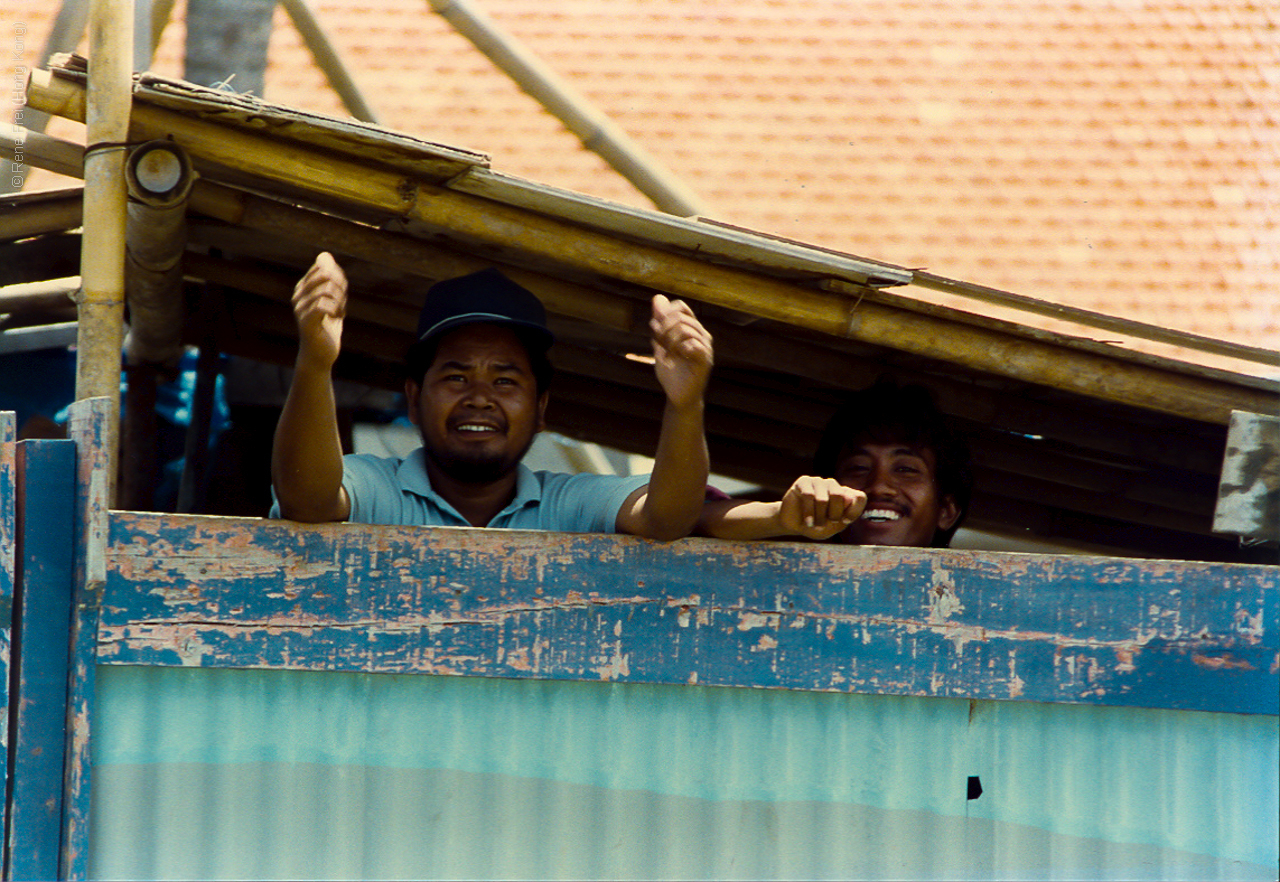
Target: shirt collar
412, 473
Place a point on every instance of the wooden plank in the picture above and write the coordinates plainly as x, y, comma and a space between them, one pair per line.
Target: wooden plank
1249, 492
89, 430
1090, 319
8, 581
46, 493
389, 148
692, 235
224, 592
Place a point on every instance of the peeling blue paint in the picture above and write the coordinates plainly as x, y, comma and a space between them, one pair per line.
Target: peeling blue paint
223, 592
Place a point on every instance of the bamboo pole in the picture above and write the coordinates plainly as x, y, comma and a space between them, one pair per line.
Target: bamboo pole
595, 130
326, 56
45, 151
159, 180
328, 233
68, 28
101, 303
38, 296
1096, 320
1081, 367
41, 213
161, 13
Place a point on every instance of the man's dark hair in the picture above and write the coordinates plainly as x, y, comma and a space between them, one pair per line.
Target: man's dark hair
422, 354
886, 413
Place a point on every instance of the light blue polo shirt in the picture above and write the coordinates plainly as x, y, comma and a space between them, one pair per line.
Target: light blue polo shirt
397, 491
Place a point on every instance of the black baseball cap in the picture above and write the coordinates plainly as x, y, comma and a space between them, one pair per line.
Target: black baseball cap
486, 297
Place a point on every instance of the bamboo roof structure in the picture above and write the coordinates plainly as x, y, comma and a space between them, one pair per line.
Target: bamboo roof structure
1084, 427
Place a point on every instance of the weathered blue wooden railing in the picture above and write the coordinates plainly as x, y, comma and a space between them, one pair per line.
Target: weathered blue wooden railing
151, 589
200, 591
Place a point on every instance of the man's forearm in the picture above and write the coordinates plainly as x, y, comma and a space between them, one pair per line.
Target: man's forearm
678, 484
306, 456
741, 519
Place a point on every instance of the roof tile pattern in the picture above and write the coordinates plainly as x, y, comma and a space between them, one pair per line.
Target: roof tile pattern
1116, 156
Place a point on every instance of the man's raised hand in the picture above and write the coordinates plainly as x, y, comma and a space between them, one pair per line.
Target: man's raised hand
682, 351
319, 306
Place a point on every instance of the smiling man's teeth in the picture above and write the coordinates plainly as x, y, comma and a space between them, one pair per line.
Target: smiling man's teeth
467, 427
881, 514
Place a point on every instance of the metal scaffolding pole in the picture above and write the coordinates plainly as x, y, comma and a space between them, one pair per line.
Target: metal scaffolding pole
597, 132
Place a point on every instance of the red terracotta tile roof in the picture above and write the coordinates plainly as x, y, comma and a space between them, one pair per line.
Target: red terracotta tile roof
1120, 157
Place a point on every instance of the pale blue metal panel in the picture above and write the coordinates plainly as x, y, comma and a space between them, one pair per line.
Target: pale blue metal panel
203, 773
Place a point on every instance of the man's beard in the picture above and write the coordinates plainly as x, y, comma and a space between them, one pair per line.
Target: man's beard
479, 468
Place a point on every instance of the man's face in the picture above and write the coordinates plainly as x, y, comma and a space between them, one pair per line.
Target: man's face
478, 407
903, 502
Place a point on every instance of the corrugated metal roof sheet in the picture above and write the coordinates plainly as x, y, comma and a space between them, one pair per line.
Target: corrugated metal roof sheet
220, 773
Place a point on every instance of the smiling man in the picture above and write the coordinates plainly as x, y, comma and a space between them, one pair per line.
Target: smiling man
476, 388
893, 444
890, 470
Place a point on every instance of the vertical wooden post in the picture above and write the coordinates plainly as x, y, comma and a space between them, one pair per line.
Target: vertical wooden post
8, 582
101, 327
88, 427
46, 531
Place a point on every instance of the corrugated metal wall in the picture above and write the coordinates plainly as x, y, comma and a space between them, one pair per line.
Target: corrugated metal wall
255, 774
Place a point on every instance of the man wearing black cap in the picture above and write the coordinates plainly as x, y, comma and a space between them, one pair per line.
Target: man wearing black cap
476, 390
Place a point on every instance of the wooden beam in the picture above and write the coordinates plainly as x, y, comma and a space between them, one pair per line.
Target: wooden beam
161, 13
28, 123
597, 132
90, 430
44, 151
